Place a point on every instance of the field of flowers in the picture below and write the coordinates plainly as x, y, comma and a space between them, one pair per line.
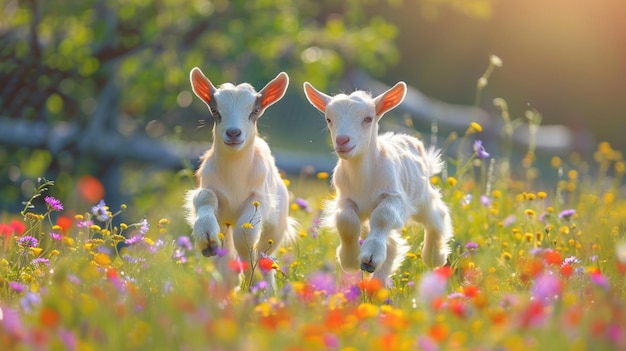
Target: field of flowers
534, 266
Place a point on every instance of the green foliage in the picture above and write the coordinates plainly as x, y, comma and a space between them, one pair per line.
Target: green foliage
148, 48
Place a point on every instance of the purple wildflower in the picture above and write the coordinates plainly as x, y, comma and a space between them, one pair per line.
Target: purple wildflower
480, 149
323, 282
101, 211
547, 287
303, 204
17, 287
40, 261
143, 226
84, 224
30, 301
27, 241
134, 239
567, 214
53, 204
471, 246
56, 236
571, 260
485, 200
431, 286
600, 280
184, 242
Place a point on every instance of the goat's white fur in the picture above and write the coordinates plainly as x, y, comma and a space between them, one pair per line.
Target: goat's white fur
381, 182
236, 172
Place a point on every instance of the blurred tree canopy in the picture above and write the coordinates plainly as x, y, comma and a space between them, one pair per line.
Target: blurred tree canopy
58, 57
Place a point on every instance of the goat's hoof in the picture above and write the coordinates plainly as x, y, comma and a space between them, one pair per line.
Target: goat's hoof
365, 266
210, 250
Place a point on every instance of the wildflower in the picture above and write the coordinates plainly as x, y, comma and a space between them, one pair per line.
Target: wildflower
53, 204
102, 259
485, 200
303, 204
27, 241
18, 227
101, 211
247, 225
467, 199
480, 149
567, 214
84, 224
144, 227
475, 127
547, 287
431, 286
322, 175
471, 246
238, 266
452, 181
40, 261
17, 287
56, 236
266, 264
599, 279
6, 230
323, 282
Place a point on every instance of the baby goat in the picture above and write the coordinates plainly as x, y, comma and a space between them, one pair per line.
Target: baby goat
384, 179
240, 192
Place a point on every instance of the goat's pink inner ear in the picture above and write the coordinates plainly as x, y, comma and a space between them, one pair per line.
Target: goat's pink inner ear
391, 98
315, 97
201, 85
274, 90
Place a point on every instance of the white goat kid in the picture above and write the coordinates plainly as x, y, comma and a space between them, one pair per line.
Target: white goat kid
381, 182
240, 192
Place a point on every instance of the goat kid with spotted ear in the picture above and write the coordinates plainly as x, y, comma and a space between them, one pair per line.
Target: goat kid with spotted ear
240, 209
382, 182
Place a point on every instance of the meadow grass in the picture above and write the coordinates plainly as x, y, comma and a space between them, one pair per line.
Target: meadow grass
534, 266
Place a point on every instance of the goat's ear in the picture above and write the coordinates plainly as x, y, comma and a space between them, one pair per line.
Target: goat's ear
316, 97
390, 99
201, 85
274, 90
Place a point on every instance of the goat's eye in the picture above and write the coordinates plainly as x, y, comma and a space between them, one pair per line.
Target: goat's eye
255, 112
216, 115
368, 119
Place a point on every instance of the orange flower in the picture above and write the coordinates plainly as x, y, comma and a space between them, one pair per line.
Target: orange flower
49, 317
90, 189
370, 286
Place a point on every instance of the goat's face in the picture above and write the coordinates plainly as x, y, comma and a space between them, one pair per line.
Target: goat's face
235, 109
353, 119
352, 123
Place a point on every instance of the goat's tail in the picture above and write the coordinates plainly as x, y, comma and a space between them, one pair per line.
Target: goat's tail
434, 163
292, 232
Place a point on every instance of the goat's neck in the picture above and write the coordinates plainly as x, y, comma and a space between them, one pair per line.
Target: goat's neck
363, 164
229, 159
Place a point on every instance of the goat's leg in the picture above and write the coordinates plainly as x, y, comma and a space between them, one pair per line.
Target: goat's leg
246, 235
397, 249
231, 279
437, 232
205, 226
349, 228
388, 215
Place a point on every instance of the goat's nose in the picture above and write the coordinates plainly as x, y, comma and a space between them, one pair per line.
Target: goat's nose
342, 140
233, 132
